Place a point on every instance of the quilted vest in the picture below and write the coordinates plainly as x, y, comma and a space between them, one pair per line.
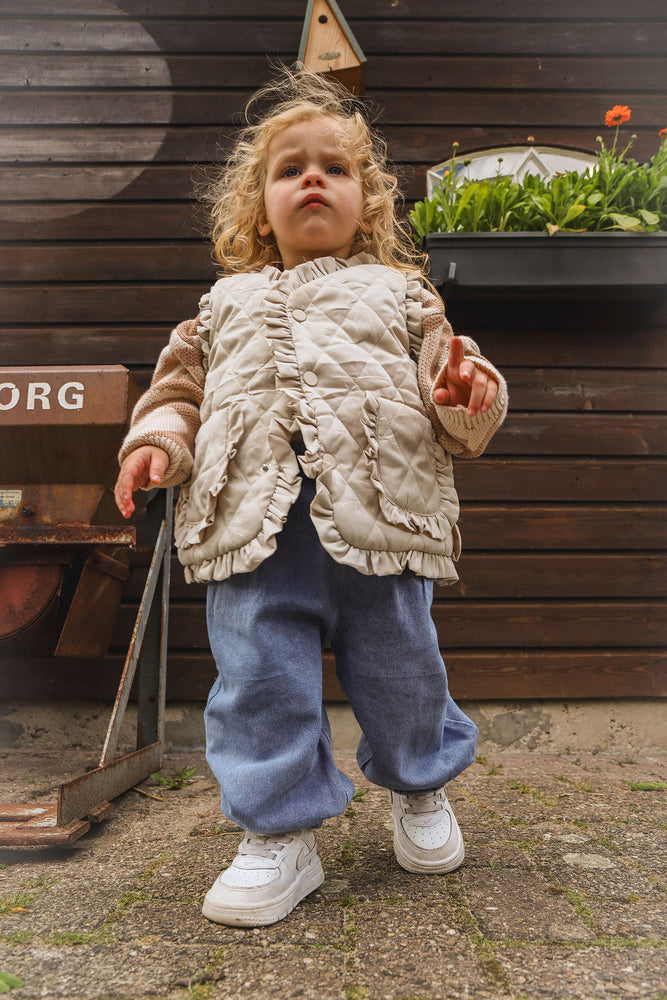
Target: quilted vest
321, 353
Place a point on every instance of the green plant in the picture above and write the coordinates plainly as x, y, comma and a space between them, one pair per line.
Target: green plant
17, 903
178, 778
8, 982
616, 193
18, 937
71, 938
198, 991
348, 851
647, 786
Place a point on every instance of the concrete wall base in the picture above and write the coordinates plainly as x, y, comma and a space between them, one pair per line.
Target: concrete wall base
604, 726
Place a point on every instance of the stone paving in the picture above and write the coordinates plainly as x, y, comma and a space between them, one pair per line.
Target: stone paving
563, 894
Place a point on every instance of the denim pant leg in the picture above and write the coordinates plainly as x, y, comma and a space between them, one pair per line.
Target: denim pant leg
267, 736
415, 738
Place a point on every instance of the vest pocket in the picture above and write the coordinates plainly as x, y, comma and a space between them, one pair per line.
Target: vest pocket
409, 469
214, 449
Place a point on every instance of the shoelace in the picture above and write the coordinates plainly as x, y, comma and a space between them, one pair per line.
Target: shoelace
425, 802
259, 846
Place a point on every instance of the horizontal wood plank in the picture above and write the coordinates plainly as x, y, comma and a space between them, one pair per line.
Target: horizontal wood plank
594, 10
519, 674
237, 34
162, 303
519, 575
484, 624
179, 220
412, 147
557, 575
553, 624
507, 574
573, 527
573, 349
97, 345
528, 108
580, 434
175, 261
62, 182
139, 344
142, 182
626, 74
473, 675
619, 390
586, 480
89, 143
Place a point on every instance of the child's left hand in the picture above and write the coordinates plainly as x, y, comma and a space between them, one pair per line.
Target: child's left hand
465, 384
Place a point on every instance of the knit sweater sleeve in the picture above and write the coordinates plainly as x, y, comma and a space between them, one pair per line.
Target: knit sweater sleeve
459, 433
167, 415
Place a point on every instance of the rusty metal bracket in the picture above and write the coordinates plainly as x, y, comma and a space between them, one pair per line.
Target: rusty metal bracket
86, 799
110, 565
66, 534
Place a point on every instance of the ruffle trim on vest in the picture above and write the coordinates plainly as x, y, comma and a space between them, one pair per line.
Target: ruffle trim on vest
279, 334
192, 531
280, 338
204, 327
249, 556
413, 305
371, 562
277, 314
311, 460
436, 525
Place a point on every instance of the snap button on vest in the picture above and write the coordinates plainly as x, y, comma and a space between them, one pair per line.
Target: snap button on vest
299, 315
310, 378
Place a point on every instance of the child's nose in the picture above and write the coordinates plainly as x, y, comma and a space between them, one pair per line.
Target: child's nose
313, 176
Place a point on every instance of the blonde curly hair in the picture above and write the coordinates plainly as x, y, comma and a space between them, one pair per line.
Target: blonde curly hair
236, 197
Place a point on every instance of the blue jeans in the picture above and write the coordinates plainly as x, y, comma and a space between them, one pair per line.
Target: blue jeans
267, 735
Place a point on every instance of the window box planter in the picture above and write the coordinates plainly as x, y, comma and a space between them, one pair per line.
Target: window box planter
618, 265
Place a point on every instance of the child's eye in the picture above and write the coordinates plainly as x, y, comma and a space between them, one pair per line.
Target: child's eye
336, 168
290, 172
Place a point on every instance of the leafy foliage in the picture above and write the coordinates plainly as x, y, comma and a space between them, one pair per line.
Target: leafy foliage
616, 193
179, 778
9, 982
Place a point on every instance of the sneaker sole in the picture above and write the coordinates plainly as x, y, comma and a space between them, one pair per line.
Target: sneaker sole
411, 864
259, 915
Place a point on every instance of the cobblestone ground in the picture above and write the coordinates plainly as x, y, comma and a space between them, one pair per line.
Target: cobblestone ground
563, 894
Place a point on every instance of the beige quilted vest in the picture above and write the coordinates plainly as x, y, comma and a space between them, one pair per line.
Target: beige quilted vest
320, 352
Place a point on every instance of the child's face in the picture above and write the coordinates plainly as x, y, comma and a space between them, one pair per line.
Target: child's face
313, 201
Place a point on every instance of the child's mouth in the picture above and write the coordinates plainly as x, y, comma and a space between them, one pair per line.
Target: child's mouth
313, 199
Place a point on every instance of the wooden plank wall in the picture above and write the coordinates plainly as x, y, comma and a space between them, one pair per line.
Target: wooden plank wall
106, 109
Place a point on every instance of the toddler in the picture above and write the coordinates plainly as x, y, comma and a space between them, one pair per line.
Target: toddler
310, 413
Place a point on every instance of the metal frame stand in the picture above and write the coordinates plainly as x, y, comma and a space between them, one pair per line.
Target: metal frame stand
87, 799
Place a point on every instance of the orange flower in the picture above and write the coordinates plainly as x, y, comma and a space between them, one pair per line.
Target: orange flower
617, 115
663, 131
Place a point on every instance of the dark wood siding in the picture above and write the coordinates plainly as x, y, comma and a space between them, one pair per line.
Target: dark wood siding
106, 110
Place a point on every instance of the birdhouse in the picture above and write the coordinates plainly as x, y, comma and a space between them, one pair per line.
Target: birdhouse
328, 46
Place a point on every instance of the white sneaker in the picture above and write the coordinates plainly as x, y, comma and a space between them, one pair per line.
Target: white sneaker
266, 880
427, 838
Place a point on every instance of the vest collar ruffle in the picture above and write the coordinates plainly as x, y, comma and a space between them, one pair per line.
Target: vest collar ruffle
309, 270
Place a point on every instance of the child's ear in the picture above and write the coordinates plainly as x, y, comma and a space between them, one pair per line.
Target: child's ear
263, 226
